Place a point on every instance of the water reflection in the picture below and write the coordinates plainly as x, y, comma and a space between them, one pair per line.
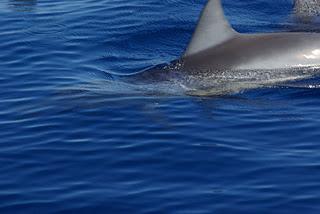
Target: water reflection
22, 5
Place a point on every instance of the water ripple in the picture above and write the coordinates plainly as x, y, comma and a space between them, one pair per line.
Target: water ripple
73, 140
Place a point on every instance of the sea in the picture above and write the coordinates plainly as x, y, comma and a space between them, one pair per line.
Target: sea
74, 141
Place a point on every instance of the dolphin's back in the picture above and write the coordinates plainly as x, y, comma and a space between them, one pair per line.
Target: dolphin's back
218, 56
215, 45
260, 51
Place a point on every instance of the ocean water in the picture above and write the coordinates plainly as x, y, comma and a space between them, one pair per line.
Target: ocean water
73, 142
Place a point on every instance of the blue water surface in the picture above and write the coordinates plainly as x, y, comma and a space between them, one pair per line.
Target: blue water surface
72, 142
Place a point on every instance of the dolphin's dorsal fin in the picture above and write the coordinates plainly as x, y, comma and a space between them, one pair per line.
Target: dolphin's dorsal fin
212, 29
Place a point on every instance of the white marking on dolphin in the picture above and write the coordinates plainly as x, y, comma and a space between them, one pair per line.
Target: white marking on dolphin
218, 57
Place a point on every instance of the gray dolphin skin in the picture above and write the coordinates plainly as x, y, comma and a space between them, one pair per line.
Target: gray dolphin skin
219, 59
306, 10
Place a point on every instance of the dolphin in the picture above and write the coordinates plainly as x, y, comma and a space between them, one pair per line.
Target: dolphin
219, 60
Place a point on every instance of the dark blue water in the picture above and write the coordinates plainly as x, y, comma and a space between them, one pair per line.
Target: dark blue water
71, 143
